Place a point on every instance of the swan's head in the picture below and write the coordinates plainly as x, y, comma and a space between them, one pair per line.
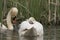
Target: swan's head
14, 11
31, 19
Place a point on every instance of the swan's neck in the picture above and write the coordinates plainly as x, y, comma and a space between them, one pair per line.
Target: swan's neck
9, 23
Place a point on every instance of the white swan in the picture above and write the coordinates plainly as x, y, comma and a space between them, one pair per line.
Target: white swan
12, 13
31, 27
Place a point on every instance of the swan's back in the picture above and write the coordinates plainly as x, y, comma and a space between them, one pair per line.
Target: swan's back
24, 25
3, 27
39, 27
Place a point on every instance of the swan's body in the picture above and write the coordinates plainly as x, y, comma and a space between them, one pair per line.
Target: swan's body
3, 28
31, 26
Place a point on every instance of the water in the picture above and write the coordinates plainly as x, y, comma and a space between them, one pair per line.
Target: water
50, 33
29, 38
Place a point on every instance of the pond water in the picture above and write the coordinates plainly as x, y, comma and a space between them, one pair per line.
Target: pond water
50, 33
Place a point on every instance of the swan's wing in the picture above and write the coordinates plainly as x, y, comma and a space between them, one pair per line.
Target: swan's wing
3, 26
39, 27
25, 25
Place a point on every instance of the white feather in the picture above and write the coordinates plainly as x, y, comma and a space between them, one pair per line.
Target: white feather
24, 25
3, 28
36, 25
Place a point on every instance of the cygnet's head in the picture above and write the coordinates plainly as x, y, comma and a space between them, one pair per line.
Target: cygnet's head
14, 11
31, 19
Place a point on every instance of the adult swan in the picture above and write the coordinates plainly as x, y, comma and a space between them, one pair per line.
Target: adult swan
12, 13
31, 27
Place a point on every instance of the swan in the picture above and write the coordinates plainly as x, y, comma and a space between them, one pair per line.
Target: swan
12, 13
31, 27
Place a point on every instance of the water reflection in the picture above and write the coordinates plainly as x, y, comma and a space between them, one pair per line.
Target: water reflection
30, 38
48, 35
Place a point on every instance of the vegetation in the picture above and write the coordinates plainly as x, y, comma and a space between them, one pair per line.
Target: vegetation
45, 11
0, 9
